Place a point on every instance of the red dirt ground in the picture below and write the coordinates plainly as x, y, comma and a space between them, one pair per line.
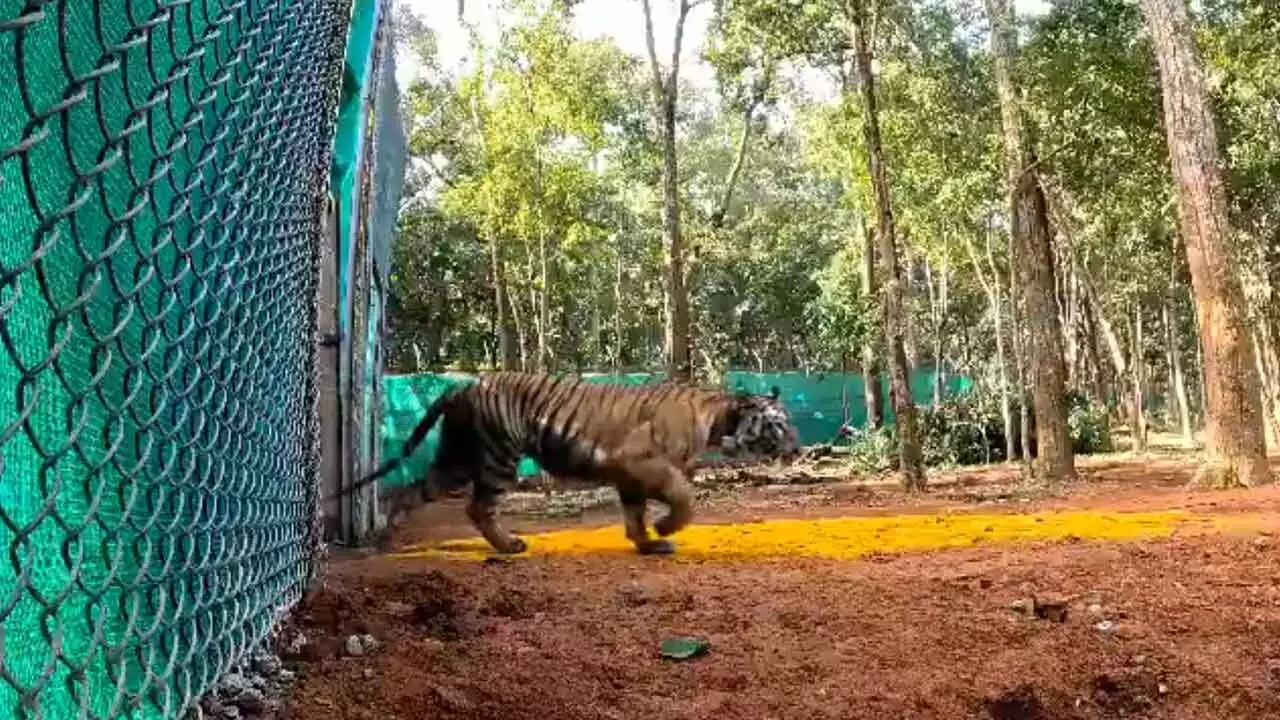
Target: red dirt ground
1195, 628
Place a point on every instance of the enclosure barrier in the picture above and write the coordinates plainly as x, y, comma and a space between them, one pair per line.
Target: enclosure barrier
819, 403
368, 174
163, 174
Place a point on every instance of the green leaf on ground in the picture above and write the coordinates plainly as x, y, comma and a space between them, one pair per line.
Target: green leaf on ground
683, 648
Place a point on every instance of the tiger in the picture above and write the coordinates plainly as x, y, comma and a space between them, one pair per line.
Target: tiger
641, 440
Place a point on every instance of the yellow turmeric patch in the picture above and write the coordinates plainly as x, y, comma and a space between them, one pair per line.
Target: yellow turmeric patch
842, 538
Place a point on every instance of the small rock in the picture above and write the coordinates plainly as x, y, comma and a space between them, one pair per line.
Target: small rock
395, 607
296, 644
232, 685
1106, 626
367, 673
1273, 669
1051, 610
1162, 689
251, 701
1095, 609
635, 595
452, 697
370, 642
355, 646
267, 664
1022, 605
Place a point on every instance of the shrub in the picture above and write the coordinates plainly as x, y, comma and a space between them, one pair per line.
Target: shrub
960, 432
1090, 425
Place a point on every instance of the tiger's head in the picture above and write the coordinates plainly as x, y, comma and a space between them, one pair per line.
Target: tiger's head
760, 425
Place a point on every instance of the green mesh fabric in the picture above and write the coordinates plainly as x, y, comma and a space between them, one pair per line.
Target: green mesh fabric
161, 168
816, 403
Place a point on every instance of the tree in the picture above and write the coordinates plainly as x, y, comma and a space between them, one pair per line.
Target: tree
1034, 260
1236, 442
910, 449
665, 91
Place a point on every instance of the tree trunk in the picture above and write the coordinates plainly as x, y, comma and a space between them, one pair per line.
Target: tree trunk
992, 289
740, 159
619, 303
508, 352
1018, 334
1234, 432
942, 328
1272, 431
1177, 379
1071, 323
909, 346
1114, 350
910, 451
1173, 345
543, 361
1029, 226
1203, 393
1101, 386
675, 296
1138, 364
938, 313
1271, 375
874, 395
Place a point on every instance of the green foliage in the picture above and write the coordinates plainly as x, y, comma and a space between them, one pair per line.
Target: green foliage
963, 431
547, 146
1090, 425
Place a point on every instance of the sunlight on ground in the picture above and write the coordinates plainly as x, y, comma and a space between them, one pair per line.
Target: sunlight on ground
848, 538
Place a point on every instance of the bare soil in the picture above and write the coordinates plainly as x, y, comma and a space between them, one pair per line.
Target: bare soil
1183, 628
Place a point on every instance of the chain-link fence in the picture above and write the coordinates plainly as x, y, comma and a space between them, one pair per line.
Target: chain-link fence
162, 170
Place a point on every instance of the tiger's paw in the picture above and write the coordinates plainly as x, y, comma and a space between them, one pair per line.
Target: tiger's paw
668, 525
512, 546
656, 547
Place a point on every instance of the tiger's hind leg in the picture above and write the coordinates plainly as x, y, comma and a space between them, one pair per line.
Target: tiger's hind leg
482, 510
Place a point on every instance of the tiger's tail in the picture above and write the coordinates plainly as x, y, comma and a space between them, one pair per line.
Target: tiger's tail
420, 432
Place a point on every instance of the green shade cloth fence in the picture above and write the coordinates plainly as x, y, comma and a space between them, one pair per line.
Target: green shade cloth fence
162, 169
816, 402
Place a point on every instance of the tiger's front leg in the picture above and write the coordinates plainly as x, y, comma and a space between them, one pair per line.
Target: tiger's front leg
653, 478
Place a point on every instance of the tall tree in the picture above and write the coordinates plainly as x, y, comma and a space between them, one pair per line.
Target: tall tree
910, 450
1236, 440
665, 97
1034, 259
874, 393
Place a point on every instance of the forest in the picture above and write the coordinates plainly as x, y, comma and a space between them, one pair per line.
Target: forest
1076, 209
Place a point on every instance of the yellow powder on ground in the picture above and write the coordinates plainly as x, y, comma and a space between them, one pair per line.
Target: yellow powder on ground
842, 538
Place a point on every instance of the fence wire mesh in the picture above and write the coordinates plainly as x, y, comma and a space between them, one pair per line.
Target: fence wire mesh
160, 163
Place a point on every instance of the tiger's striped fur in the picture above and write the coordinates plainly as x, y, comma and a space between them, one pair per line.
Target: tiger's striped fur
641, 440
